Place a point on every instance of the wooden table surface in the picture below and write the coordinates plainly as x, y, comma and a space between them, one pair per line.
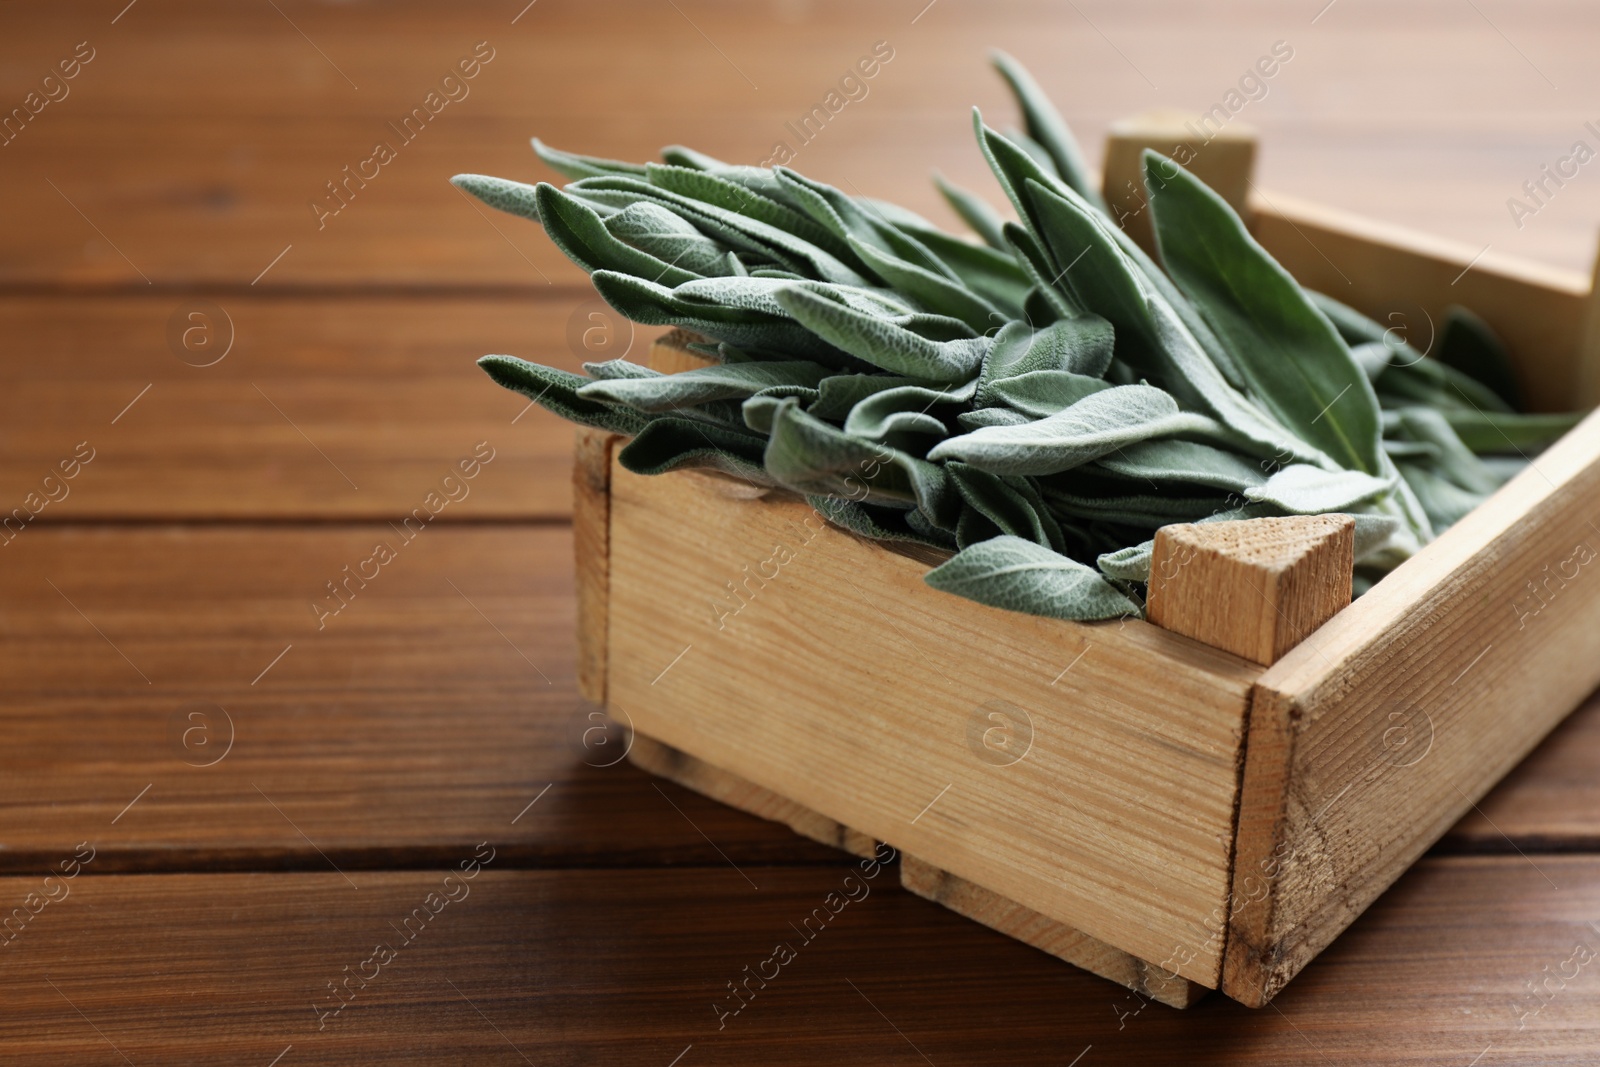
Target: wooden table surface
252, 794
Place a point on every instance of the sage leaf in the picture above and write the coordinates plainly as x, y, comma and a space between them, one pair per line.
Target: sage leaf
1006, 506
1046, 127
657, 232
974, 211
1150, 333
730, 227
1301, 489
669, 444
1045, 295
619, 368
1454, 460
934, 292
846, 218
898, 410
975, 420
1096, 425
1081, 345
1373, 357
816, 458
514, 198
1042, 393
579, 232
656, 305
878, 523
881, 341
717, 191
575, 166
839, 394
1190, 462
1444, 501
557, 391
666, 392
1489, 432
1294, 361
1018, 575
1131, 564
1469, 346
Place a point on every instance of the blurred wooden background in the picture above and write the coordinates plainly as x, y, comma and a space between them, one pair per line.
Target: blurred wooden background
267, 796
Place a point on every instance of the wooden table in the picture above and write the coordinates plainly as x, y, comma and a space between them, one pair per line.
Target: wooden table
253, 792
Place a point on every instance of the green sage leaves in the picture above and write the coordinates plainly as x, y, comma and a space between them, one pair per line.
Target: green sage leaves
1039, 403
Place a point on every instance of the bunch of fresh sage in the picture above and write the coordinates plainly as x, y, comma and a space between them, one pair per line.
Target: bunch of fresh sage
1039, 403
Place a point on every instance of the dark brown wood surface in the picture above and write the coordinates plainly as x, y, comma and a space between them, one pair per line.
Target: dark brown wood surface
424, 714
164, 606
631, 966
326, 409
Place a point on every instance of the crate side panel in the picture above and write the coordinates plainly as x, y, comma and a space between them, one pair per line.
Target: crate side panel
1405, 280
1368, 742
1087, 772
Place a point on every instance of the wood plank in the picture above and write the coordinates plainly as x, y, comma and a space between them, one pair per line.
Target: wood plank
1425, 118
1113, 817
327, 410
417, 720
625, 967
1549, 802
1473, 650
1079, 949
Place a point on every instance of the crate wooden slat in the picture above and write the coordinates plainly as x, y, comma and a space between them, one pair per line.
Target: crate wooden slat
625, 965
1058, 939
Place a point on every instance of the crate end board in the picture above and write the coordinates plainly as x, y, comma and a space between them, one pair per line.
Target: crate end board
1374, 736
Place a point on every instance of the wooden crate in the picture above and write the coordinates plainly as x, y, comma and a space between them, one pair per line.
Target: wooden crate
1199, 801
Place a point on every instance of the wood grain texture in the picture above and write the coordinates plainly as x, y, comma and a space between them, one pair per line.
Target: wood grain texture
418, 719
1381, 730
188, 154
591, 533
1059, 940
670, 354
1254, 588
1109, 813
624, 967
1405, 280
1411, 114
324, 410
1548, 802
728, 788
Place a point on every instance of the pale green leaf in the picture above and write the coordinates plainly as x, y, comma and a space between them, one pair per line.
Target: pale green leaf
1018, 575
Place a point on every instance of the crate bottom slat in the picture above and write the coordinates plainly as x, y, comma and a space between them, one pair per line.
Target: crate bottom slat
1007, 917
965, 898
725, 787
